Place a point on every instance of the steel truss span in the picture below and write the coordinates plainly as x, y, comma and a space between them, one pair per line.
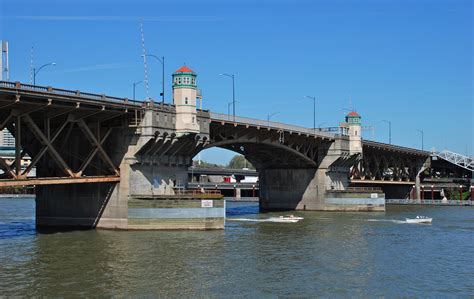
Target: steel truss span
385, 165
65, 135
457, 159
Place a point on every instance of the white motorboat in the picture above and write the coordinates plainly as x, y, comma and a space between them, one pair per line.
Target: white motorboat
419, 219
291, 217
286, 219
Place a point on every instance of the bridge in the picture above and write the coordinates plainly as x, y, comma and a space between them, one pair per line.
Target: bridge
95, 155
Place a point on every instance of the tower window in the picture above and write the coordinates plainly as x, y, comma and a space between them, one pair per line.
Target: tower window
193, 119
356, 132
186, 100
179, 80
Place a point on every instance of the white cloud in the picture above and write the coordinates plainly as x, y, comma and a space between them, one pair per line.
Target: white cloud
97, 67
124, 18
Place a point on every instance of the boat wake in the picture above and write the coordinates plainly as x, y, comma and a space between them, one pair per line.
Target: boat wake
388, 220
407, 221
271, 219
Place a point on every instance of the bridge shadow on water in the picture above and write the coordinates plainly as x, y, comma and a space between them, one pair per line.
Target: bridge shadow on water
27, 227
17, 228
241, 208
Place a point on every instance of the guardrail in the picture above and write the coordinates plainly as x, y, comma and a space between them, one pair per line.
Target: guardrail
274, 125
70, 93
358, 190
208, 185
430, 202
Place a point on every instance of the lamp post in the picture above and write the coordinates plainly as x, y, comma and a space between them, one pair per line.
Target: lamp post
162, 61
228, 108
35, 71
314, 110
233, 92
135, 85
269, 116
320, 125
389, 130
422, 139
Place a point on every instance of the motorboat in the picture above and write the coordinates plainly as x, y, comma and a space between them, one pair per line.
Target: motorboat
285, 219
291, 217
419, 219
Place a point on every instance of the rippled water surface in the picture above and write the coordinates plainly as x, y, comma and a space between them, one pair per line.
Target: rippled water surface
326, 254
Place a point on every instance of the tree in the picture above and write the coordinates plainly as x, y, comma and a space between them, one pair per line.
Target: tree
205, 164
239, 162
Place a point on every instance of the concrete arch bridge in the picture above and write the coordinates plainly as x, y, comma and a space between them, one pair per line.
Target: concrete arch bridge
101, 152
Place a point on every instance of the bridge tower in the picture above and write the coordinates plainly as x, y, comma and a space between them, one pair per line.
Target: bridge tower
184, 98
353, 123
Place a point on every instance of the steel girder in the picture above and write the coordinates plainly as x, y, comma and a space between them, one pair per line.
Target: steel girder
267, 147
380, 165
45, 129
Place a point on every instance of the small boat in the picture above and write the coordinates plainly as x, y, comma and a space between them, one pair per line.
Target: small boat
285, 219
419, 219
291, 217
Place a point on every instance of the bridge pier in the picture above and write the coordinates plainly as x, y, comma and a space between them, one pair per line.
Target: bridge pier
91, 205
290, 189
152, 160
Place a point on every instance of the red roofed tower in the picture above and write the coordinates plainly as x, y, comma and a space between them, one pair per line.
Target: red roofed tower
354, 125
184, 99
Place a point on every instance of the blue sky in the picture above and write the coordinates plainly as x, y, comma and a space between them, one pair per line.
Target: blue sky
407, 61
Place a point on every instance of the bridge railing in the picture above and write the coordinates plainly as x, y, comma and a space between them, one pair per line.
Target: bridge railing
274, 125
65, 92
430, 202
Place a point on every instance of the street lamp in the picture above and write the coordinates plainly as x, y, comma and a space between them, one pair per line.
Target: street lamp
135, 85
269, 116
35, 72
162, 61
228, 108
233, 92
389, 130
422, 141
320, 125
314, 110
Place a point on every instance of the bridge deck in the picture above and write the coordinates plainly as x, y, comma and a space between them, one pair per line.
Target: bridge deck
238, 120
59, 181
394, 148
67, 95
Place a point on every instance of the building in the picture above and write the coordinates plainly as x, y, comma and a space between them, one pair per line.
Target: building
6, 138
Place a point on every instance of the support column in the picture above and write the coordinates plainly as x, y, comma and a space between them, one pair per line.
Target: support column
18, 146
92, 205
290, 189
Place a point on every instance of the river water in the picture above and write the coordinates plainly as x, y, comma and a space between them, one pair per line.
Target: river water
326, 254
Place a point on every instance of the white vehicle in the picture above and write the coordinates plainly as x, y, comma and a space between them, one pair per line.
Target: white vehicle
419, 219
